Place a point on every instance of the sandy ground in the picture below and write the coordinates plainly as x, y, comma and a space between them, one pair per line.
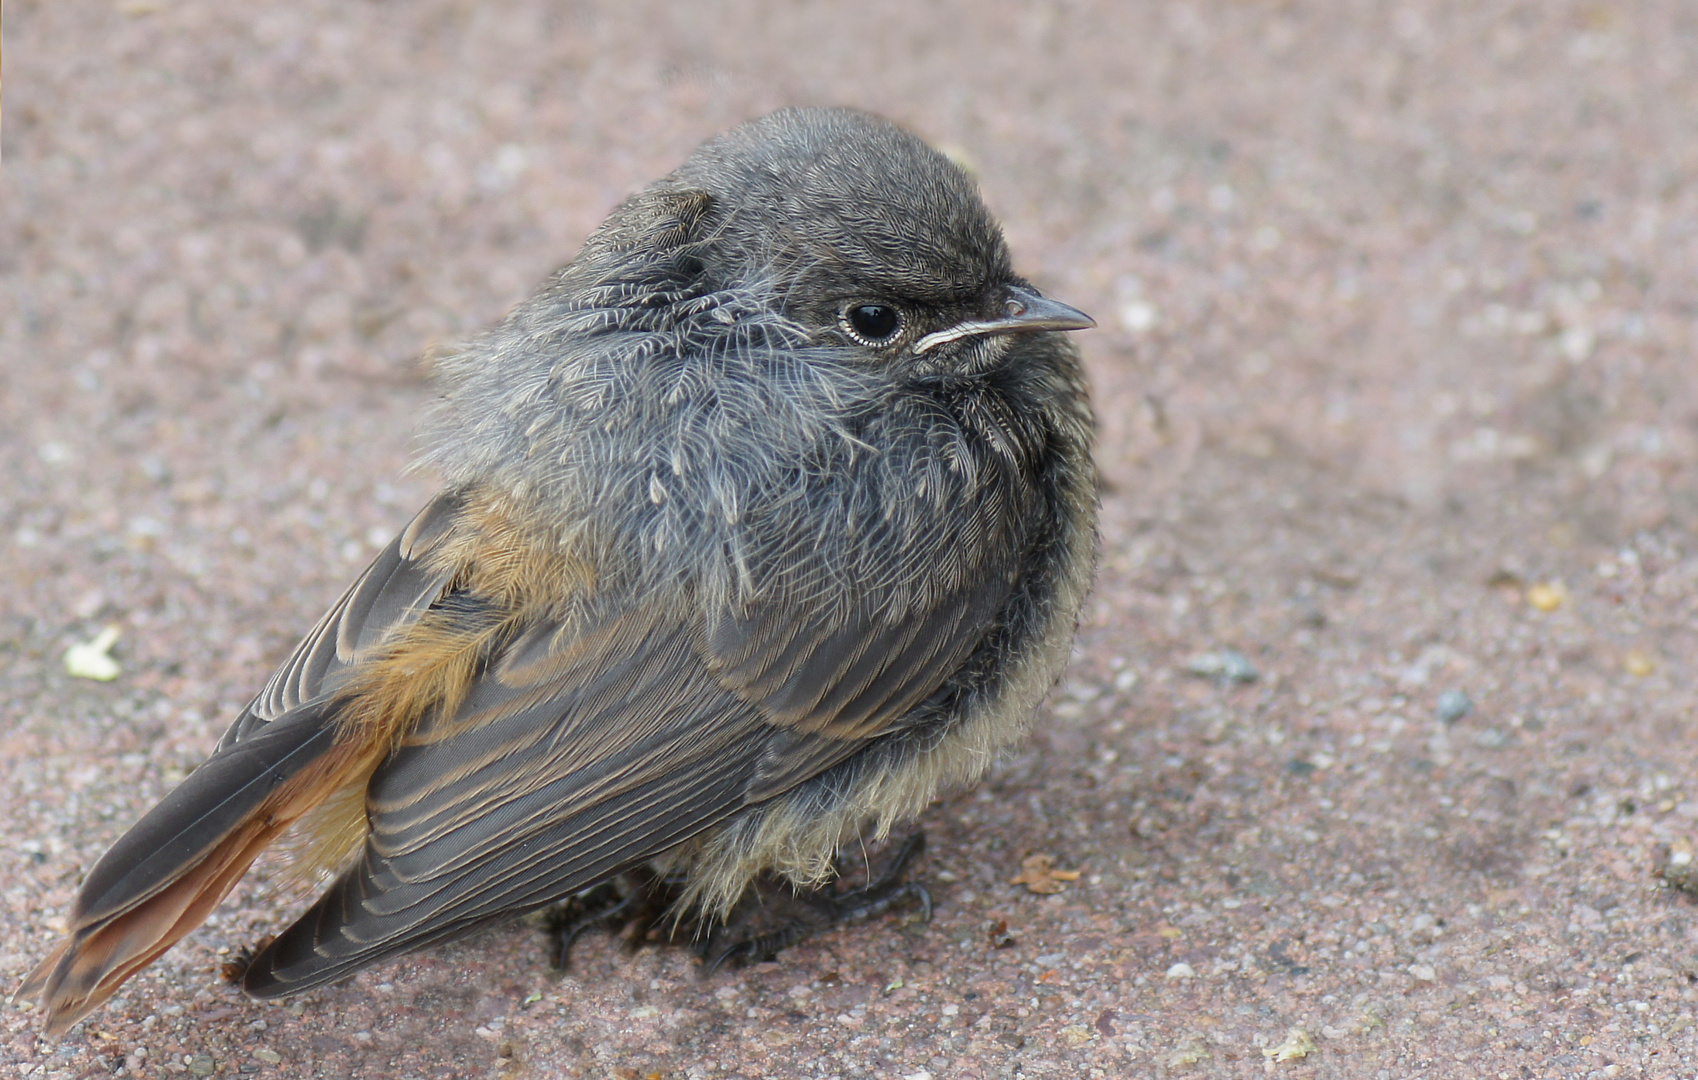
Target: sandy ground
1397, 386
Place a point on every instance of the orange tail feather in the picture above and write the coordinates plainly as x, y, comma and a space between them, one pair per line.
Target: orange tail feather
119, 927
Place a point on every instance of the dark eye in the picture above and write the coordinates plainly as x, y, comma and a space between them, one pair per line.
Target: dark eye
872, 324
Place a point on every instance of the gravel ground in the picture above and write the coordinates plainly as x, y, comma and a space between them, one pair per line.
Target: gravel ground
1380, 728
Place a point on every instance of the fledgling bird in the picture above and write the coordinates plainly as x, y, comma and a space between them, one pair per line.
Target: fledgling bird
766, 519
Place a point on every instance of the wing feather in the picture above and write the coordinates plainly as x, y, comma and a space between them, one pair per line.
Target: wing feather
588, 748
276, 762
398, 585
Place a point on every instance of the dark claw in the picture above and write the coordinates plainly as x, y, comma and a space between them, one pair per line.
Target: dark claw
601, 907
761, 948
737, 952
566, 935
879, 895
872, 905
635, 905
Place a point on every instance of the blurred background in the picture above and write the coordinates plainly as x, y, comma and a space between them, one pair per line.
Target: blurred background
1381, 727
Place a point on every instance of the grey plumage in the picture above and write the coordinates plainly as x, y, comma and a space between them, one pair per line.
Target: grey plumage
724, 573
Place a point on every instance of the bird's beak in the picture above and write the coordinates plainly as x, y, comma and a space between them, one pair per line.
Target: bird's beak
1025, 311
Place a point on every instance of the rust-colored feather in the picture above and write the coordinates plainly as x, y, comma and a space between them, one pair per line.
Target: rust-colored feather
513, 578
96, 959
146, 895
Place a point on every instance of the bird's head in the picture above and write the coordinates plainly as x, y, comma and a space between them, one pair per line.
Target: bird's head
857, 232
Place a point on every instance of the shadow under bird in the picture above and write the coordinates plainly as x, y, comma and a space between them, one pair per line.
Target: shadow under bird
765, 520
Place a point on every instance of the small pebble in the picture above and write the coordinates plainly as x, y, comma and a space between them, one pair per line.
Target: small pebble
1452, 706
1182, 970
1678, 868
1225, 665
1638, 664
1547, 595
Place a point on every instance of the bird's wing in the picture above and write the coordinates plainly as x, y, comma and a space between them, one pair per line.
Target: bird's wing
399, 584
167, 873
584, 750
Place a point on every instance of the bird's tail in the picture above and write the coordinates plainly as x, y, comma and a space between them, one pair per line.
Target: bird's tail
165, 875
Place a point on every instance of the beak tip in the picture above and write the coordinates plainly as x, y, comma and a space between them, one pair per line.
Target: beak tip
1039, 312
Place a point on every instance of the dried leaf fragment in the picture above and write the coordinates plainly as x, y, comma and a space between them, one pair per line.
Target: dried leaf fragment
1038, 873
93, 659
1297, 1045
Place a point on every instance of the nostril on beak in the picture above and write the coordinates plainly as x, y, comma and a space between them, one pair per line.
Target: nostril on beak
1014, 308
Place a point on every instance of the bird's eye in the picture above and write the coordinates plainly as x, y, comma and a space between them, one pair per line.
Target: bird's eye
872, 324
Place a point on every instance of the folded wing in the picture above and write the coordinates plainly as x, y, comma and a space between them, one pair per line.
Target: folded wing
588, 749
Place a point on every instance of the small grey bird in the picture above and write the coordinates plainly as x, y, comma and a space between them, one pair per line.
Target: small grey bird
766, 519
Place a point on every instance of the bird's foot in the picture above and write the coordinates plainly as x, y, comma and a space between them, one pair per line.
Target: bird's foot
739, 943
634, 906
